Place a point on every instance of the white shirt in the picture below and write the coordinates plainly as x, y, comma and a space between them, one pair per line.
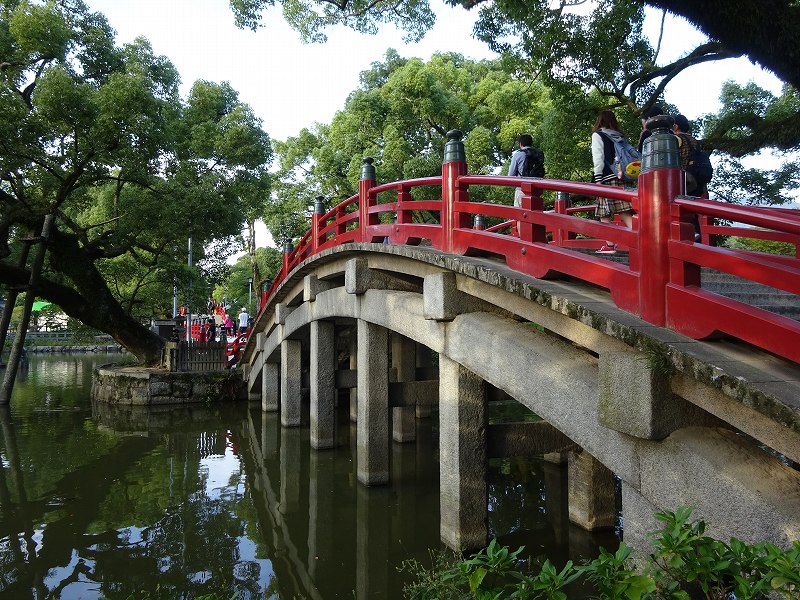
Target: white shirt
243, 316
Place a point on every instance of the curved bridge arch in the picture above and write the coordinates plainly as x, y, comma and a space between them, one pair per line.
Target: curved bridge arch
587, 368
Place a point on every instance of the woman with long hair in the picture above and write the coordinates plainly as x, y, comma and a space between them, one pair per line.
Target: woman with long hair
605, 131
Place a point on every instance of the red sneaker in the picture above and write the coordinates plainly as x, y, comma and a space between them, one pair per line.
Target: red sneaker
607, 249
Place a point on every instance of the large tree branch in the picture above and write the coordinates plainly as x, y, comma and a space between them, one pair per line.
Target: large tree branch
759, 133
766, 30
88, 298
707, 52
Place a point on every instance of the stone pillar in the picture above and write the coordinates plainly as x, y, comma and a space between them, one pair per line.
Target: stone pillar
404, 364
373, 404
323, 384
462, 457
639, 520
291, 373
353, 367
270, 387
591, 492
424, 360
556, 493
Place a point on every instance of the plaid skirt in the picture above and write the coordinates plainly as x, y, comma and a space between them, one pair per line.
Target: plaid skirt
607, 207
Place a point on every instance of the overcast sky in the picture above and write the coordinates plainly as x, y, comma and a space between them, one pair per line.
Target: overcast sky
290, 85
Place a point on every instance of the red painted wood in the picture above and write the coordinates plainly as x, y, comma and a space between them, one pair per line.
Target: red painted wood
660, 283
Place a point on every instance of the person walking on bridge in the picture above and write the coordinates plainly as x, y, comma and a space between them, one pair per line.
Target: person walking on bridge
243, 321
525, 162
605, 132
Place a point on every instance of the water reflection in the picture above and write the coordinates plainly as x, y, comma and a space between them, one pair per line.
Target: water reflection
179, 502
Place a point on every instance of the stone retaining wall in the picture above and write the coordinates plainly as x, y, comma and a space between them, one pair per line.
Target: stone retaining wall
91, 348
140, 386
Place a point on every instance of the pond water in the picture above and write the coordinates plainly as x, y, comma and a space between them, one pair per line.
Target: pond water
186, 501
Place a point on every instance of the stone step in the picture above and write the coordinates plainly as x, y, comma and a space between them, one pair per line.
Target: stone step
756, 297
752, 293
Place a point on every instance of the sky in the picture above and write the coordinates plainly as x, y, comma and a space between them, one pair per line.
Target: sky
291, 85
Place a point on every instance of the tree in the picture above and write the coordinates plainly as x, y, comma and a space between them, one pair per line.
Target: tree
599, 44
98, 136
740, 27
399, 115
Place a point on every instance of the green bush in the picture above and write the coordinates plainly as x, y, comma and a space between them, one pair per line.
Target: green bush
685, 564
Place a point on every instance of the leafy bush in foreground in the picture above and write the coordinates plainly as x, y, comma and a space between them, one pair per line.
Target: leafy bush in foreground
684, 565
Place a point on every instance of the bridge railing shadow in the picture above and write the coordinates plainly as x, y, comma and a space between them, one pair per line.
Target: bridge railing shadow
661, 280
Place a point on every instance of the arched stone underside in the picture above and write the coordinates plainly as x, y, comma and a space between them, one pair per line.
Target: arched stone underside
661, 411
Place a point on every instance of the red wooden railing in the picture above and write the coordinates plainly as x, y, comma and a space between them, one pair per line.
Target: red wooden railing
660, 283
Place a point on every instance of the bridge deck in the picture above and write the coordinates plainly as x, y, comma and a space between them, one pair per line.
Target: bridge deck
747, 375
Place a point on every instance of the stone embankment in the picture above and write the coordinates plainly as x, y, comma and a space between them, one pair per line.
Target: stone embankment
77, 348
142, 386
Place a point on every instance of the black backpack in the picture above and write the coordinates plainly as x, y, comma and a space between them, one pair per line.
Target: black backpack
533, 165
699, 165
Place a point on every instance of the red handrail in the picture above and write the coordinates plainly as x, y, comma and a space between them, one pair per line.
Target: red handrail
661, 283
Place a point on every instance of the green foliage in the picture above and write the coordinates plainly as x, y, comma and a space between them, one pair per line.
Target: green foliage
613, 578
311, 17
399, 115
99, 135
767, 246
685, 564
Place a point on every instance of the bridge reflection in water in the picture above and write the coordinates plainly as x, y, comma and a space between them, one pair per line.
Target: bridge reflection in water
331, 537
190, 500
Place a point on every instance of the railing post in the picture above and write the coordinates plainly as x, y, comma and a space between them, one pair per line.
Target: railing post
659, 183
288, 248
479, 223
453, 166
560, 207
366, 183
319, 210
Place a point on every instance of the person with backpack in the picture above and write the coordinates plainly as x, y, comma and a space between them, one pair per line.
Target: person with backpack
694, 162
525, 162
615, 162
647, 114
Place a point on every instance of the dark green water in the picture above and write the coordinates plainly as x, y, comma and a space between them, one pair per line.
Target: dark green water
182, 502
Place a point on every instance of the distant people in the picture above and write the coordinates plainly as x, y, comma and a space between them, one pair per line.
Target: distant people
212, 330
604, 133
243, 321
227, 326
648, 113
525, 162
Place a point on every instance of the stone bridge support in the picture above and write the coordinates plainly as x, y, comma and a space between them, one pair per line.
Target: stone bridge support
462, 456
373, 404
404, 367
662, 413
323, 384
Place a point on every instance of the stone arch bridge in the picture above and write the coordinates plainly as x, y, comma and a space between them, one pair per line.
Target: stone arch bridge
679, 421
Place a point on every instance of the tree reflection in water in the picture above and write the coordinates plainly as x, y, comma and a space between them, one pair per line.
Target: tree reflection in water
184, 501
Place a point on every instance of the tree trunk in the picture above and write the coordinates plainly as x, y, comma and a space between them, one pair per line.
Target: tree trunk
11, 300
80, 290
18, 348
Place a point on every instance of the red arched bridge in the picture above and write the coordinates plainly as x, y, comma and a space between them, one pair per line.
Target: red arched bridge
400, 305
661, 282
